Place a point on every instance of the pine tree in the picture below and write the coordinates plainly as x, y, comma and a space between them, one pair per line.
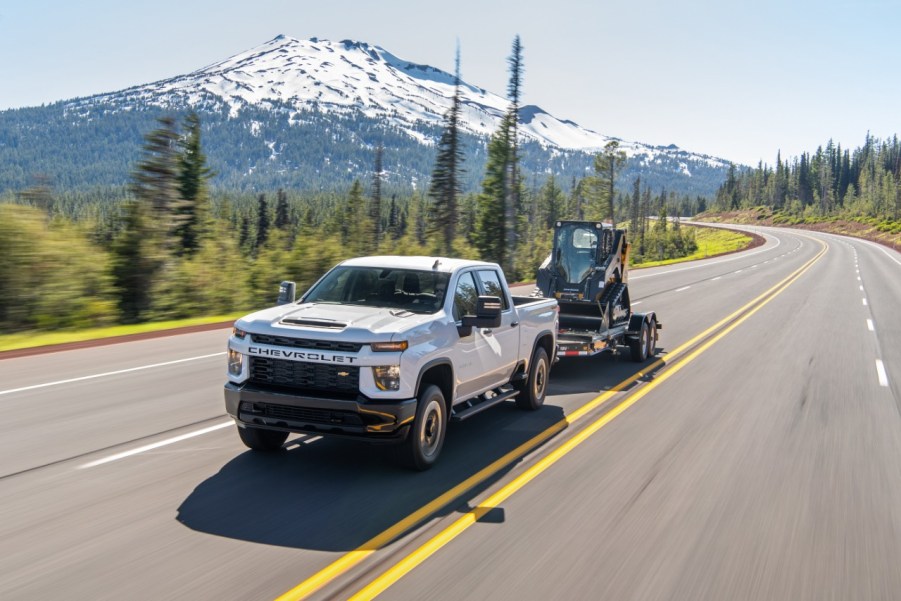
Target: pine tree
446, 187
262, 222
281, 210
634, 203
193, 173
606, 164
511, 181
491, 220
375, 205
155, 180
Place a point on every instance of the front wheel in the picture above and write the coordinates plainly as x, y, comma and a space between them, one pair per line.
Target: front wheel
259, 439
534, 389
423, 445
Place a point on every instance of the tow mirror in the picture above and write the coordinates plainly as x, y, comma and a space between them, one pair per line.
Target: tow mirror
286, 292
488, 313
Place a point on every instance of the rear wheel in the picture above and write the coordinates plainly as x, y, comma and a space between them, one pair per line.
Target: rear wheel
533, 390
259, 439
640, 345
423, 445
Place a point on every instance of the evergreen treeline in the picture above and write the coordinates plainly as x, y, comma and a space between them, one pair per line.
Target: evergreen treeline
832, 182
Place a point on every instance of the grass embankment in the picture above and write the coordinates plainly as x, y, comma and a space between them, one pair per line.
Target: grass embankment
24, 340
711, 242
883, 231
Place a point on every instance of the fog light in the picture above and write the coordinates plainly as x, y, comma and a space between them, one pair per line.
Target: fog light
235, 362
387, 377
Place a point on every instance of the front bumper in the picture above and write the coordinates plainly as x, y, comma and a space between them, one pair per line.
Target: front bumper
356, 418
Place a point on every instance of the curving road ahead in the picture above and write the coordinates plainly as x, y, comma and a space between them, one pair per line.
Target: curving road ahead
759, 459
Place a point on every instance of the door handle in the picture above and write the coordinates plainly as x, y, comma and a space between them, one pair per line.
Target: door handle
514, 324
487, 331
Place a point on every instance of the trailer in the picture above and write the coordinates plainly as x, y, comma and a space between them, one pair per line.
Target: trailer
587, 272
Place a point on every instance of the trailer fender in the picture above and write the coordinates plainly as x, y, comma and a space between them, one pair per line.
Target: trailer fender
637, 320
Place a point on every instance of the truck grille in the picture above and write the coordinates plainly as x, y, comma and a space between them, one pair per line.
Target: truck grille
337, 379
320, 345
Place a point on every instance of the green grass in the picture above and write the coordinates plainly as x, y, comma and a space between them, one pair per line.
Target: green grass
711, 242
23, 340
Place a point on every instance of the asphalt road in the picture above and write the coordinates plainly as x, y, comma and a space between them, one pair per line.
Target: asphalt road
762, 461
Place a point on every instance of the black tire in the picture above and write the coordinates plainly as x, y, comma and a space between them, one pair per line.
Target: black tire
258, 439
534, 388
652, 340
639, 346
426, 438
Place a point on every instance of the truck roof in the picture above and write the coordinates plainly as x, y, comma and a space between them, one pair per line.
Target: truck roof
444, 264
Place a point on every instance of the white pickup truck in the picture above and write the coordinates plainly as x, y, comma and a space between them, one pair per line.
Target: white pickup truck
388, 349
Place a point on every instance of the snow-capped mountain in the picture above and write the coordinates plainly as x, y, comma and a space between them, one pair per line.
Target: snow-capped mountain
350, 77
307, 115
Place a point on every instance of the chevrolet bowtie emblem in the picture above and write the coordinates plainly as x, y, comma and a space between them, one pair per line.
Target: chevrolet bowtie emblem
343, 374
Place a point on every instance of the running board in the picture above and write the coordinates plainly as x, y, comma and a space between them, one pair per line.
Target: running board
459, 416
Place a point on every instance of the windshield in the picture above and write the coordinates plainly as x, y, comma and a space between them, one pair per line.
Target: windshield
575, 248
406, 289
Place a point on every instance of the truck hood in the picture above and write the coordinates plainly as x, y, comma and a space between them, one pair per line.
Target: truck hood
332, 322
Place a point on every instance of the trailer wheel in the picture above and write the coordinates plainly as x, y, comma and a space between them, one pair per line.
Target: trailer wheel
534, 389
423, 444
641, 345
259, 439
652, 339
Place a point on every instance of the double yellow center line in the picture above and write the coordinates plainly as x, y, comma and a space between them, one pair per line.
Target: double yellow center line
393, 574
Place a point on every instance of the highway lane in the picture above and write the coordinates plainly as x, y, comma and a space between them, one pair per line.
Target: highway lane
202, 518
772, 474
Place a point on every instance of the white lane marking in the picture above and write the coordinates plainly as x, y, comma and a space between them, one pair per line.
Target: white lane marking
864, 302
296, 442
861, 288
314, 439
739, 271
716, 278
740, 255
858, 278
880, 372
870, 326
682, 288
636, 303
109, 373
156, 445
884, 251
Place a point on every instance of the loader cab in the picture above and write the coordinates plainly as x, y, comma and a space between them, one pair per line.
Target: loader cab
579, 247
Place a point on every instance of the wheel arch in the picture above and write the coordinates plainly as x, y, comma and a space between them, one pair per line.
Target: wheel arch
439, 372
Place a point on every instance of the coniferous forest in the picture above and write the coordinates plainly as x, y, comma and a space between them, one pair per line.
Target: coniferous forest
860, 186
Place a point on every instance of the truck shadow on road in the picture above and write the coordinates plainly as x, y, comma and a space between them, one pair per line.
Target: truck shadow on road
334, 495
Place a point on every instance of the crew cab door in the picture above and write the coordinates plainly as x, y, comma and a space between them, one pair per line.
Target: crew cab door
503, 340
477, 356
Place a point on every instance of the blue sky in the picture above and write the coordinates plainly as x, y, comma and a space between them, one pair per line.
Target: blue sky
735, 80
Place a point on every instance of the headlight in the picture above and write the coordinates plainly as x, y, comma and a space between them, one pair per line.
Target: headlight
238, 333
235, 362
387, 377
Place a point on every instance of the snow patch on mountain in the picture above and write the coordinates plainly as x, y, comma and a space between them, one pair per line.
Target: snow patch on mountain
350, 77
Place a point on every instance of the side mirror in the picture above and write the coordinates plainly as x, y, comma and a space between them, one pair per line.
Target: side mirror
286, 292
488, 313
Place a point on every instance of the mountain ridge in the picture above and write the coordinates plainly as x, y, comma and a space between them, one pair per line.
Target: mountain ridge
362, 89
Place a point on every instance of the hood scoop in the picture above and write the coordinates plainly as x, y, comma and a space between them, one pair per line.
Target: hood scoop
314, 323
